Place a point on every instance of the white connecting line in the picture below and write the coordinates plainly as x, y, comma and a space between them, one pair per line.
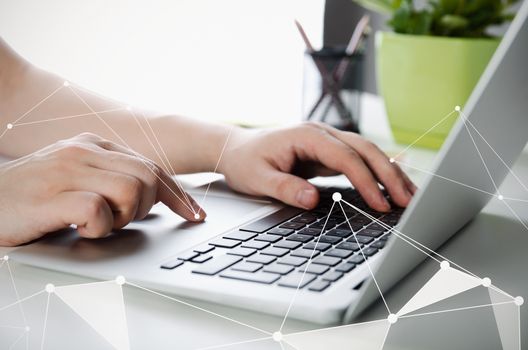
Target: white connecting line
292, 301
199, 308
43, 338
168, 166
138, 156
365, 258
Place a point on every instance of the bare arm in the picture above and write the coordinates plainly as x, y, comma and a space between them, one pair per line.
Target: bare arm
23, 86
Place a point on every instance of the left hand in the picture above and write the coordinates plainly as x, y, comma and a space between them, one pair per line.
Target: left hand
276, 163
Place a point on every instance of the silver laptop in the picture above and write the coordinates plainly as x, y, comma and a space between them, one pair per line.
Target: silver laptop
252, 253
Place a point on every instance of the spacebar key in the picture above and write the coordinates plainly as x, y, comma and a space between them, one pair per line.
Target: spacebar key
217, 264
272, 220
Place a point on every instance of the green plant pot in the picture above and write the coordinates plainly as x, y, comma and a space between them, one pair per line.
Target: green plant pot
422, 79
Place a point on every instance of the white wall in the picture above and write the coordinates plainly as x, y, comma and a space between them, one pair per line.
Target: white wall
234, 60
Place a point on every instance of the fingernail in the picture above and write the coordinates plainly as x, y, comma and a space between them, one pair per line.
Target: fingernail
305, 198
199, 213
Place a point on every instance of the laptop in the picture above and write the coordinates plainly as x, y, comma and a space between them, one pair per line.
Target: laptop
259, 255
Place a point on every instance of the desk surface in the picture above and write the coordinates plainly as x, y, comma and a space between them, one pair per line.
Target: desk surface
496, 237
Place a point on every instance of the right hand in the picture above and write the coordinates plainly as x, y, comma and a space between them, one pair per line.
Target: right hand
87, 181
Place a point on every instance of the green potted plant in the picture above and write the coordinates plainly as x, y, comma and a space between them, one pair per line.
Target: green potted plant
432, 61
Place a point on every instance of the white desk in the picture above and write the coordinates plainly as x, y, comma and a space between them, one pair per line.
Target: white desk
157, 323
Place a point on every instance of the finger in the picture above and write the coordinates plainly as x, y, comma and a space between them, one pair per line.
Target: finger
336, 155
155, 179
389, 174
122, 192
89, 211
408, 182
288, 188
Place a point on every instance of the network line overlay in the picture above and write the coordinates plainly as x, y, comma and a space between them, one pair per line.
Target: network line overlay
102, 304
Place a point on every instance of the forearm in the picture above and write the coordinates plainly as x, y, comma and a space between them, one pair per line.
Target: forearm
190, 146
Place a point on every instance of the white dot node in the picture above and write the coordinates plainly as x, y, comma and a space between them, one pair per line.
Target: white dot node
66, 83
277, 336
50, 288
500, 197
519, 301
486, 282
392, 318
337, 196
6, 257
444, 265
120, 280
457, 108
27, 328
73, 226
9, 126
392, 160
196, 216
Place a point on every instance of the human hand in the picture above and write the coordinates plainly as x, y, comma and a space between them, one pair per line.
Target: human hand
87, 181
276, 163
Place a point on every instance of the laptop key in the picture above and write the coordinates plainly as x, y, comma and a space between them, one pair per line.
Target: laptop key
332, 276
247, 266
370, 232
310, 231
293, 225
172, 264
224, 243
203, 249
240, 235
201, 258
327, 260
357, 259
261, 259
288, 244
369, 251
339, 253
268, 238
305, 253
318, 246
188, 256
315, 269
259, 277
241, 251
378, 244
377, 226
274, 251
300, 238
348, 246
296, 280
305, 219
292, 260
345, 267
319, 286
255, 244
272, 220
219, 263
277, 268
329, 239
339, 232
360, 239
281, 231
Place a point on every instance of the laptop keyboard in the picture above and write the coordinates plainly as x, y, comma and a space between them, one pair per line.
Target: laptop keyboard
275, 249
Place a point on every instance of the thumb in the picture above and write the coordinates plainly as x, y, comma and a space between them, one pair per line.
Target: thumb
290, 189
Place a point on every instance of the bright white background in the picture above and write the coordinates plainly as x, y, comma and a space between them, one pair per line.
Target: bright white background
231, 60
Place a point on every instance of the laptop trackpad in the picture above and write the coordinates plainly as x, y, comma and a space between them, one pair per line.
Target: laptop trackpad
160, 236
